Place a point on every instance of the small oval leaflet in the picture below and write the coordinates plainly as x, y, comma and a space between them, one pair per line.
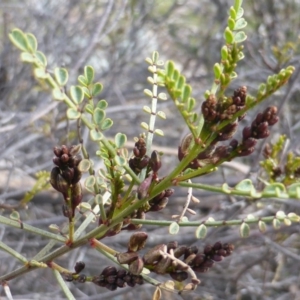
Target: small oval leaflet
244, 230
73, 114
89, 74
201, 232
120, 140
61, 76
76, 94
84, 165
174, 228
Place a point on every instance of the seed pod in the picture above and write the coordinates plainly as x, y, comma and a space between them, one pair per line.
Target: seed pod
172, 245
144, 187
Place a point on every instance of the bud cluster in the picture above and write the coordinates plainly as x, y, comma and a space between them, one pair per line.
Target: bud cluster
172, 259
111, 278
140, 160
65, 177
215, 111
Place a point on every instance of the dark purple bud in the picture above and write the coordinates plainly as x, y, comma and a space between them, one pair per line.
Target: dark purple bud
200, 269
247, 132
138, 279
208, 250
208, 263
233, 144
57, 161
57, 151
144, 187
68, 174
259, 119
64, 158
111, 279
155, 161
120, 283
67, 277
217, 258
249, 143
79, 266
109, 271
190, 250
179, 276
246, 152
121, 273
64, 149
163, 264
199, 259
217, 246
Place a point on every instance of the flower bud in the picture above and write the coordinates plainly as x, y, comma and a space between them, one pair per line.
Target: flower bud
109, 271
127, 258
153, 255
179, 276
136, 267
81, 278
137, 241
79, 266
155, 161
144, 187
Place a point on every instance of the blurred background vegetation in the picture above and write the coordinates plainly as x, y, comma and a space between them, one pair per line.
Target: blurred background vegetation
115, 36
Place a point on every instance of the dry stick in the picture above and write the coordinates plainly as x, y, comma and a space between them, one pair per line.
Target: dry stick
187, 202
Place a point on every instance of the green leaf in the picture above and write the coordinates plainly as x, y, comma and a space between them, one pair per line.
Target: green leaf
170, 68
89, 108
276, 224
89, 74
120, 140
41, 58
99, 115
201, 232
96, 135
57, 94
240, 24
294, 190
27, 57
240, 37
102, 104
31, 42
18, 38
120, 161
97, 88
244, 230
174, 228
186, 93
231, 23
162, 96
228, 36
245, 185
76, 94
81, 79
275, 190
61, 76
159, 132
262, 226
73, 114
40, 73
89, 183
84, 165
106, 124
240, 13
217, 70
15, 215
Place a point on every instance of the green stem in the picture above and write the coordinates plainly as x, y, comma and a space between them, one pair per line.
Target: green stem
63, 285
268, 219
13, 253
31, 229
